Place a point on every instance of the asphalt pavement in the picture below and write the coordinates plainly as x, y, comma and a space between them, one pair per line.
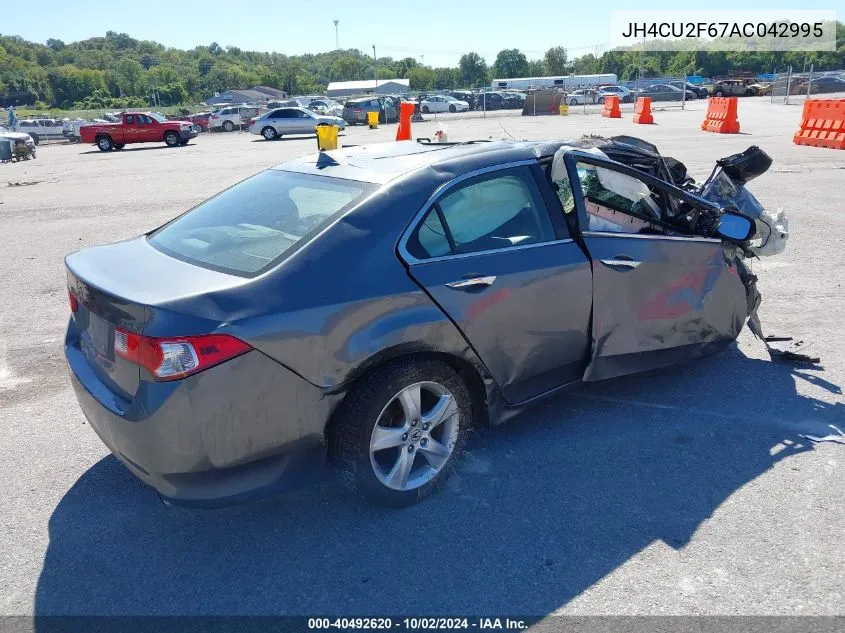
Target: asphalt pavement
713, 488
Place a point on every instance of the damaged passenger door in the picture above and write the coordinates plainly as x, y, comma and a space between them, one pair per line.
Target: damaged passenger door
488, 252
658, 299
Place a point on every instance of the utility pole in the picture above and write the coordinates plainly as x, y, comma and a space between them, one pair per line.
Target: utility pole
336, 38
375, 60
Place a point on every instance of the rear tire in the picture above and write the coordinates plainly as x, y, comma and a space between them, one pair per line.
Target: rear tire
35, 138
423, 412
718, 93
269, 133
105, 144
426, 110
573, 102
228, 126
172, 139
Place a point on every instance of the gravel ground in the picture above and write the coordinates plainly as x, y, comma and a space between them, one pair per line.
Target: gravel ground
691, 491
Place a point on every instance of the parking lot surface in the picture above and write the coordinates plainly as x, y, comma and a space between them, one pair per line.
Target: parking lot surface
690, 491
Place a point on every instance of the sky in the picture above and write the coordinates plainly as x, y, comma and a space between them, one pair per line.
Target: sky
437, 33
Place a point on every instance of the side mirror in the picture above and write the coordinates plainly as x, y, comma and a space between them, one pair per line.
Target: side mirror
735, 227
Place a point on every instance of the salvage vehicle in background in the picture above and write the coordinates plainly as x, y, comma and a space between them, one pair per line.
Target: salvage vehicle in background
583, 96
42, 129
625, 95
740, 88
232, 118
355, 110
138, 127
665, 92
700, 91
22, 144
326, 107
442, 103
283, 121
368, 306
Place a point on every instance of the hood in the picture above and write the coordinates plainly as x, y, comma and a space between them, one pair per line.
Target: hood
16, 136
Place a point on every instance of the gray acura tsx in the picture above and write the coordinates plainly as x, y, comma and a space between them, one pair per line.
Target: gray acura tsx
361, 309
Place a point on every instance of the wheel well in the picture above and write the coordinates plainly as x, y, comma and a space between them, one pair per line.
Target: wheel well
465, 370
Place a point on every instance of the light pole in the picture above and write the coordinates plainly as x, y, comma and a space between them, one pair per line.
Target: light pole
336, 39
375, 60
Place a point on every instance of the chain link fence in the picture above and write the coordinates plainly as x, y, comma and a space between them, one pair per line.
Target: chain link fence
795, 87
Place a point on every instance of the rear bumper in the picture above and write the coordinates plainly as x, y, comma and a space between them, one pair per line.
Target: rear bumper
241, 430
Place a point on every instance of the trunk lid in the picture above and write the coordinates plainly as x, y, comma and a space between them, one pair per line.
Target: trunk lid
124, 286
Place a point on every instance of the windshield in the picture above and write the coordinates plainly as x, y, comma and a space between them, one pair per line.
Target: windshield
252, 226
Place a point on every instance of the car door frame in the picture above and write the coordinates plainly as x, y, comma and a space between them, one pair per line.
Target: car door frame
570, 368
731, 289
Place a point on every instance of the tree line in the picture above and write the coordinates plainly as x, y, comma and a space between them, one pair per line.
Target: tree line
120, 71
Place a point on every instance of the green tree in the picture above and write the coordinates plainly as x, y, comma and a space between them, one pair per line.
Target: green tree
421, 78
473, 69
537, 68
557, 62
445, 78
128, 73
511, 62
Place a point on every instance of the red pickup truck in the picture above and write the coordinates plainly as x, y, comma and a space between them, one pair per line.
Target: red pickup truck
138, 127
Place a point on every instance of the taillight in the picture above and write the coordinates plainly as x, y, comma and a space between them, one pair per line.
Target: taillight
251, 121
356, 112
174, 358
74, 302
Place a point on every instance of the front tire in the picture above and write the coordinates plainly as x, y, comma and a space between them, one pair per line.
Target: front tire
269, 133
573, 102
172, 139
35, 138
105, 144
452, 108
401, 430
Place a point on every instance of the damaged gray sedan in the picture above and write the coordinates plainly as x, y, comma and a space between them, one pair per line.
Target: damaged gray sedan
362, 309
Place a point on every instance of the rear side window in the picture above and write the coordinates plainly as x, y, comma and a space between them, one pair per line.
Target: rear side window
254, 225
490, 212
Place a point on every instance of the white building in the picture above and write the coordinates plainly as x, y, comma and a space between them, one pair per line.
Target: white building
368, 87
560, 81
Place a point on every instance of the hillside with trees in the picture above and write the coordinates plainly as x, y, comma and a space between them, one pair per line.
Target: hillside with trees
120, 71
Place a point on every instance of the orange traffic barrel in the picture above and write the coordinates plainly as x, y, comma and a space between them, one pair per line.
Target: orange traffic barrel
721, 116
822, 124
642, 110
611, 107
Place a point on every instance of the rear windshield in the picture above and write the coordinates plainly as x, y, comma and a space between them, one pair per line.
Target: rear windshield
252, 226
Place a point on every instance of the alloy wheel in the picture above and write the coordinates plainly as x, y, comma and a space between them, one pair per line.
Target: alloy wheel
414, 436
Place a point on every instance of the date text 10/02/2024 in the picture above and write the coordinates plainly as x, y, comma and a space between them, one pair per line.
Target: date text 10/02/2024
415, 624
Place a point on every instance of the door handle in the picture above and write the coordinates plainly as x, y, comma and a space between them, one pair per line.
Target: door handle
622, 261
472, 282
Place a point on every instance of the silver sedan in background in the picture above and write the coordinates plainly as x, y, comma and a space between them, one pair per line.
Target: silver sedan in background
275, 123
